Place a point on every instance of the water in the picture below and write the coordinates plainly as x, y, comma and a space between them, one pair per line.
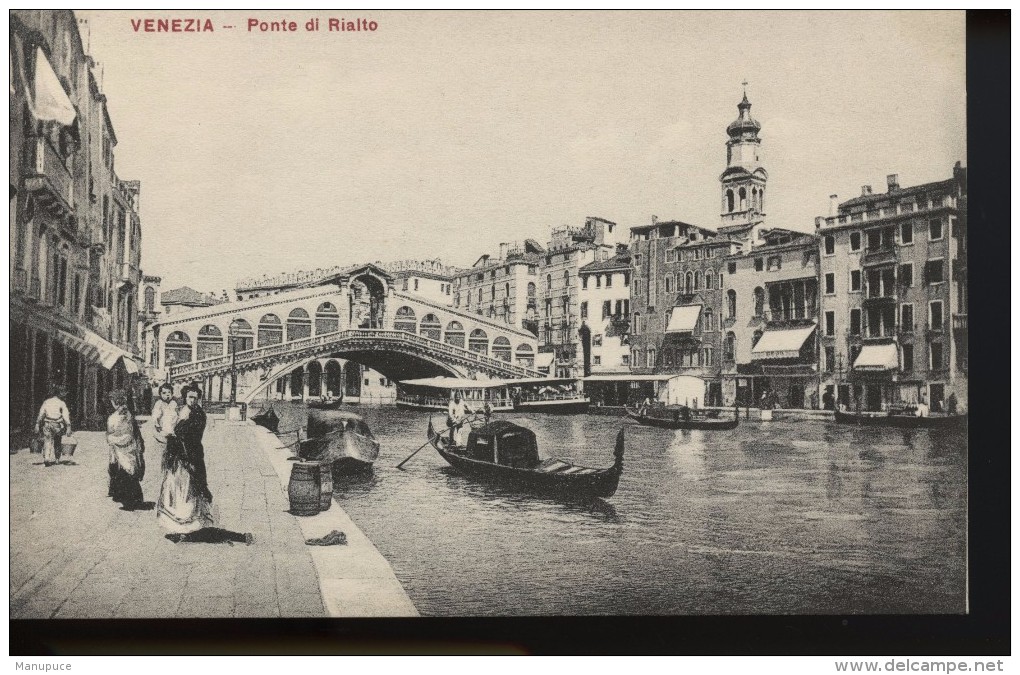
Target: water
781, 517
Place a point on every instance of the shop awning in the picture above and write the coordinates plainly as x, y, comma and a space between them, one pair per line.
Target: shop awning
781, 343
97, 350
877, 358
544, 359
683, 319
51, 101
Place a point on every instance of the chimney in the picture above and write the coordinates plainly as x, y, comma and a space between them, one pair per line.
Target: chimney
865, 190
655, 219
894, 182
503, 249
833, 204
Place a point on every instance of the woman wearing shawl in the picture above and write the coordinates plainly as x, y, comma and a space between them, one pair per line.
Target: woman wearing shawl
127, 461
184, 498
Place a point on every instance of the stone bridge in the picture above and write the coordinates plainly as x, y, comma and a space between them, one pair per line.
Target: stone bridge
356, 316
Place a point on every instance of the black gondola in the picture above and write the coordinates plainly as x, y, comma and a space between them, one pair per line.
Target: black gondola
507, 454
267, 419
327, 404
675, 419
902, 420
343, 439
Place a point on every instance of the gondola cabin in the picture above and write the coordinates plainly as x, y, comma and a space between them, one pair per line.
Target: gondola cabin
503, 443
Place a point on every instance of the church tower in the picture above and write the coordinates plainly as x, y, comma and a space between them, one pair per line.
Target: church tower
743, 181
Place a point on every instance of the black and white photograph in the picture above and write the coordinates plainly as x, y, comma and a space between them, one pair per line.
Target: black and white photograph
406, 315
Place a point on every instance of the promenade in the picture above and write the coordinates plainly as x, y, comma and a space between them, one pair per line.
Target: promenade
76, 554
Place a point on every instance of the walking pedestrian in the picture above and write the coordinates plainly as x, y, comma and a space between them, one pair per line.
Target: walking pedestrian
127, 453
185, 502
52, 423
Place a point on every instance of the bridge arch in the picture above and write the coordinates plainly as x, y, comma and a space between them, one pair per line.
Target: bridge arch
334, 377
313, 372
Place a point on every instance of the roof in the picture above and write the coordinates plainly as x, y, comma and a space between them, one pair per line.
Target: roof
620, 261
454, 383
936, 186
185, 295
671, 223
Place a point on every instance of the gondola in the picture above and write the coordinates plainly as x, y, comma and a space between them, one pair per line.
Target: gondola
902, 420
506, 454
267, 419
675, 420
342, 439
327, 404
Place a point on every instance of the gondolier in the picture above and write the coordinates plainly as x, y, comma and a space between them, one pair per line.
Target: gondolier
456, 419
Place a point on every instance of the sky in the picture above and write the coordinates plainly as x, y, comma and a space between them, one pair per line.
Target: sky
440, 135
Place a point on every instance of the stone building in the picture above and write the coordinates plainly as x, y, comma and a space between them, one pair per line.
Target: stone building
75, 231
605, 314
429, 279
894, 295
503, 287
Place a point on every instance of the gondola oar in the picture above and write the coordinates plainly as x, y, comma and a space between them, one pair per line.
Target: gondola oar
459, 424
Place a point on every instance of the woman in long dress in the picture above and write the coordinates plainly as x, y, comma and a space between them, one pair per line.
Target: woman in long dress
185, 502
127, 454
52, 423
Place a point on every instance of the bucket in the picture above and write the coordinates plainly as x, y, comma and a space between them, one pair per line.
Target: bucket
304, 489
326, 486
68, 446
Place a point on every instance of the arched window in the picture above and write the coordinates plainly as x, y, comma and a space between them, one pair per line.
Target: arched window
430, 327
566, 278
731, 304
743, 199
651, 358
492, 292
327, 318
636, 330
689, 282
525, 356
754, 198
178, 348
548, 282
729, 201
270, 330
669, 283
242, 335
406, 321
697, 280
709, 280
729, 346
708, 356
506, 290
299, 325
478, 341
708, 320
454, 334
501, 349
150, 299
721, 280
479, 295
531, 290
759, 301
761, 200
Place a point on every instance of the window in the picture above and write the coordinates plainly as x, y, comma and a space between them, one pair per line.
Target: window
584, 310
626, 279
907, 318
906, 233
596, 340
933, 272
415, 284
709, 320
935, 315
758, 265
759, 301
874, 240
907, 274
855, 241
637, 323
609, 281
671, 255
625, 359
830, 283
596, 360
729, 347
936, 355
731, 268
650, 363
830, 324
830, 244
598, 281
479, 295
637, 260
934, 230
697, 280
669, 283
606, 309
709, 280
830, 359
548, 282
908, 358
731, 304
855, 322
775, 263
855, 281
584, 282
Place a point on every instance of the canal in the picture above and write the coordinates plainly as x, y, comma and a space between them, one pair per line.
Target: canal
771, 518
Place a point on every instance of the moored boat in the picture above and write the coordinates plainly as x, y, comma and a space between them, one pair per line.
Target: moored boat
675, 418
325, 403
267, 419
902, 420
506, 454
341, 438
434, 393
558, 396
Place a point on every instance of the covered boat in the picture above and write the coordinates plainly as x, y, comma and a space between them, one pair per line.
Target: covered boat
903, 420
325, 403
267, 419
681, 417
434, 393
561, 396
341, 438
507, 454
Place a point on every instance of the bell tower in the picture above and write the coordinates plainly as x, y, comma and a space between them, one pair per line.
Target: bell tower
743, 181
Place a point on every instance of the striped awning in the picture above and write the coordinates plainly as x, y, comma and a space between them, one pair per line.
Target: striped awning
683, 319
96, 349
781, 343
877, 358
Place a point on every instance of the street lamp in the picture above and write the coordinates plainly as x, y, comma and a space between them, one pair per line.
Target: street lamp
233, 333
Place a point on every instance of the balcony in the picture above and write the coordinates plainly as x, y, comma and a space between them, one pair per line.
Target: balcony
789, 316
19, 283
884, 255
50, 180
959, 322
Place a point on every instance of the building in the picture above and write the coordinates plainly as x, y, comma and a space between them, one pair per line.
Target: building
430, 279
744, 179
184, 299
75, 231
503, 287
769, 321
894, 302
605, 314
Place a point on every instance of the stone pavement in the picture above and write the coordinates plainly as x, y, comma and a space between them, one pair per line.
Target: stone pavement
75, 554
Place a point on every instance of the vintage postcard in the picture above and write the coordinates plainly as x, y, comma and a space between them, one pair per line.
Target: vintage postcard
347, 314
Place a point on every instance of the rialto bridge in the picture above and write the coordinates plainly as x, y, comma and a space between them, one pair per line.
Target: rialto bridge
356, 316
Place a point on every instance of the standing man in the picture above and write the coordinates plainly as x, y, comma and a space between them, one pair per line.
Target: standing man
456, 419
52, 423
185, 502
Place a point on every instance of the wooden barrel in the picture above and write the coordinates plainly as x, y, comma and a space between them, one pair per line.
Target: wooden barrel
325, 486
305, 488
